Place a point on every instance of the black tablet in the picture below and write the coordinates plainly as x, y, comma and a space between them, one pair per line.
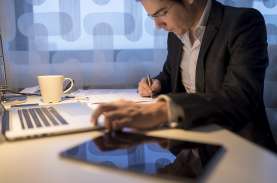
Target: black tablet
168, 158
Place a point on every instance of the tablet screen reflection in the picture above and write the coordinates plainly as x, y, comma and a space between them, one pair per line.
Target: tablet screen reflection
145, 154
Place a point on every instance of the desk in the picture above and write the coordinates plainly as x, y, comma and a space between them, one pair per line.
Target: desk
38, 160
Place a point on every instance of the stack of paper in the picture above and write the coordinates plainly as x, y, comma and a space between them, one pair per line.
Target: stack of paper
97, 96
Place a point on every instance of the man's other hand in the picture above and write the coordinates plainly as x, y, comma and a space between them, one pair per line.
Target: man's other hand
132, 115
146, 91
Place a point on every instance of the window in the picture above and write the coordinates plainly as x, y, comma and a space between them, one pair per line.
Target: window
91, 41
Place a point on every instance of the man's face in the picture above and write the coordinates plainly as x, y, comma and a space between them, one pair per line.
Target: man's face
170, 15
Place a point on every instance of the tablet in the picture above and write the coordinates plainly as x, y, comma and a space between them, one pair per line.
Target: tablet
155, 156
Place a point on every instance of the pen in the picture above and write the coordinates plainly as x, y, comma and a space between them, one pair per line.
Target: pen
69, 96
149, 83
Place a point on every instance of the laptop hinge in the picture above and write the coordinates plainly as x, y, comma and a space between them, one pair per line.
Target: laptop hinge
5, 122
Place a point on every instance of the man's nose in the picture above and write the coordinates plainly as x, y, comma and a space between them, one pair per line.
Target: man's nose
159, 23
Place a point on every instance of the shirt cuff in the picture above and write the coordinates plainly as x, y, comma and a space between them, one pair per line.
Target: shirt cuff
175, 112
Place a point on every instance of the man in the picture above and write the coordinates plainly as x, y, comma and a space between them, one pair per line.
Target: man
217, 56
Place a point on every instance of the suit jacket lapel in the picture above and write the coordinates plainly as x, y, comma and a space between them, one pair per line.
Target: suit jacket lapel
179, 53
200, 68
213, 24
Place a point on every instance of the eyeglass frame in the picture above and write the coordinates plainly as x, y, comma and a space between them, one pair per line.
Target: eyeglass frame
162, 12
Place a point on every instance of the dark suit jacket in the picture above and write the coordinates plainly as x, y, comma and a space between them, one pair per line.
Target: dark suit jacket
229, 75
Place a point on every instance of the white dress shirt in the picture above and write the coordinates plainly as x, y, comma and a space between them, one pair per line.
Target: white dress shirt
188, 65
191, 50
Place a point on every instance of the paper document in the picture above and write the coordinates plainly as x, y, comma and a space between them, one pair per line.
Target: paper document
109, 95
33, 90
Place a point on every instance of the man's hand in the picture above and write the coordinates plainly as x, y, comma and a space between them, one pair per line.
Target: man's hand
129, 114
146, 91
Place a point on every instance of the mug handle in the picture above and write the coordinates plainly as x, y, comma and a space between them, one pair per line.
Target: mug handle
71, 86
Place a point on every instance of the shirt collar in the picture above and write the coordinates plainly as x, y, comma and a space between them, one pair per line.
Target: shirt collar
202, 23
205, 15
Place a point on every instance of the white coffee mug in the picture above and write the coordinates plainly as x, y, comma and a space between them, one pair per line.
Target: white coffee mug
51, 87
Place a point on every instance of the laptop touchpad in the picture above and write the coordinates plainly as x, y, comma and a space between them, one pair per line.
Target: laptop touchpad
79, 112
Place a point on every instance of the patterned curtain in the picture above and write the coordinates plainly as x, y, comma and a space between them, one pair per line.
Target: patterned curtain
98, 43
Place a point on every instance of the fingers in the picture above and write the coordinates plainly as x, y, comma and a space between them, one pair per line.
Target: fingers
118, 124
156, 86
103, 108
123, 117
116, 114
144, 89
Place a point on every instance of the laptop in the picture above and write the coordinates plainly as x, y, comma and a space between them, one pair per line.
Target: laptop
37, 121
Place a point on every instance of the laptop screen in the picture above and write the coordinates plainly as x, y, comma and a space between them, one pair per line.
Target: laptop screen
2, 110
148, 155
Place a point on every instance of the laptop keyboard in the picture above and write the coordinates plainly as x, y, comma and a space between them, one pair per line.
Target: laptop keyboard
40, 117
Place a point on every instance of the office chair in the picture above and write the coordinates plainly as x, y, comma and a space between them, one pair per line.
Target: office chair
270, 90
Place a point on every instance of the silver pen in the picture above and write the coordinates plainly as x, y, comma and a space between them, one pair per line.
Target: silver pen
149, 83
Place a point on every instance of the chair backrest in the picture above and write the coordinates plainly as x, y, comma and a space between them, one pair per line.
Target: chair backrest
270, 90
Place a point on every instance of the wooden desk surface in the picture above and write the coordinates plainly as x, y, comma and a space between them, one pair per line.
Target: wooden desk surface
38, 160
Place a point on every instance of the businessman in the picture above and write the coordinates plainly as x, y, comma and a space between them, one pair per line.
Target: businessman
214, 72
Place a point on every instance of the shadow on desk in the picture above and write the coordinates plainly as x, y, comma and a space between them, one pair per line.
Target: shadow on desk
207, 129
2, 139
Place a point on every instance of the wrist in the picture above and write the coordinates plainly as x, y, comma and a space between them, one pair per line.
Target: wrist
175, 113
162, 111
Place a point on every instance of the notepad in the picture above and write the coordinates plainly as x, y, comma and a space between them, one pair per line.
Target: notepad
97, 96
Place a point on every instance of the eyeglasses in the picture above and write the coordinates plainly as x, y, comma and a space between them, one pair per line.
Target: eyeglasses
162, 12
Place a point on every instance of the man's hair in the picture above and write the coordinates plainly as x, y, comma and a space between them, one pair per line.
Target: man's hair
179, 1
